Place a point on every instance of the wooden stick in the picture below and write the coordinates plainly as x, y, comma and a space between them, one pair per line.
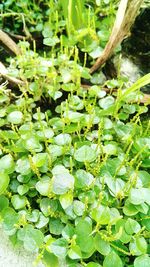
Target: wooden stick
4, 74
126, 14
144, 100
7, 41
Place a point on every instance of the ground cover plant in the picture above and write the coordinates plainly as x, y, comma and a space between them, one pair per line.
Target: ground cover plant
74, 158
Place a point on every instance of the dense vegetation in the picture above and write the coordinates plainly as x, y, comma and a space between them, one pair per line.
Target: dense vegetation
74, 147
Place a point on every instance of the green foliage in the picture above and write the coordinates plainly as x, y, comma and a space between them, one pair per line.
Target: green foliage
74, 161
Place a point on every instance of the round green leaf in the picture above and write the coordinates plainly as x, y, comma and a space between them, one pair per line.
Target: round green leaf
85, 153
78, 207
142, 261
10, 219
74, 252
15, 117
62, 183
113, 260
59, 248
7, 164
43, 186
101, 245
18, 202
106, 102
62, 139
66, 200
55, 226
101, 214
83, 179
32, 238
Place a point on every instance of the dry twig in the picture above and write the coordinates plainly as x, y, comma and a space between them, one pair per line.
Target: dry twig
4, 74
7, 41
126, 14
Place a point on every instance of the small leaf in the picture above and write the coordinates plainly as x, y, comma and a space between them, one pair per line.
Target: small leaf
62, 183
142, 261
18, 202
50, 259
83, 179
132, 226
32, 238
74, 252
78, 207
62, 139
7, 164
85, 153
113, 260
59, 248
15, 117
101, 214
55, 226
106, 102
101, 245
66, 200
43, 186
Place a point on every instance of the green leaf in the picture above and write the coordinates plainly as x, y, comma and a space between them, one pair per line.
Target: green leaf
139, 196
22, 189
83, 228
113, 260
62, 183
86, 244
66, 200
43, 186
10, 219
59, 248
93, 264
101, 214
55, 226
68, 232
85, 154
23, 166
18, 202
142, 261
50, 259
101, 245
138, 84
74, 252
33, 216
4, 182
7, 164
42, 221
48, 206
40, 159
83, 179
106, 102
15, 117
62, 139
4, 202
32, 238
132, 226
78, 207
138, 246
32, 144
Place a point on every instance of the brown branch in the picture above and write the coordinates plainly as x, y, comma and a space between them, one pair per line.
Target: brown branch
144, 100
4, 74
7, 41
126, 14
